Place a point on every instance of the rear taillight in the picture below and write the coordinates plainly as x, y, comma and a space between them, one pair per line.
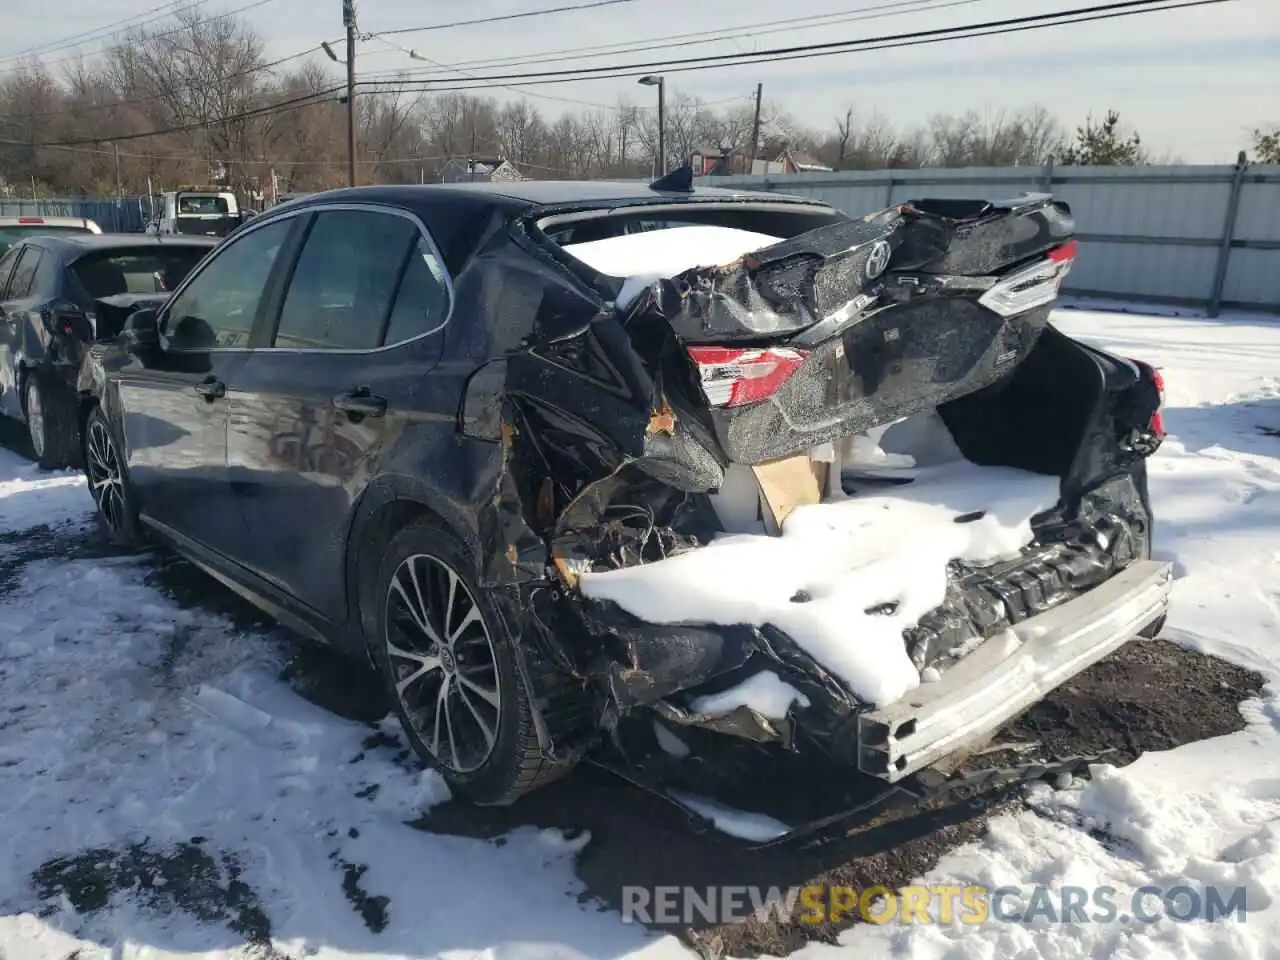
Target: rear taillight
1156, 424
1032, 286
31, 219
1157, 418
733, 377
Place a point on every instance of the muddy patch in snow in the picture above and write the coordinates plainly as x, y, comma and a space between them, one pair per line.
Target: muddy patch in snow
69, 540
186, 878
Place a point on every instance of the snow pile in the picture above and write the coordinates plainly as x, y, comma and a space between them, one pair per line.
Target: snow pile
753, 827
644, 258
836, 562
666, 253
765, 692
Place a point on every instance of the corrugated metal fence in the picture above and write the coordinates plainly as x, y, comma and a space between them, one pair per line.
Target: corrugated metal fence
1195, 236
126, 215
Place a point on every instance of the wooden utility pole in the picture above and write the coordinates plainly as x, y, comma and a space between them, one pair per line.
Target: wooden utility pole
755, 131
119, 181
349, 21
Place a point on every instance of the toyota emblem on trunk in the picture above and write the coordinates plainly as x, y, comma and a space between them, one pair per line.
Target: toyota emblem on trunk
878, 259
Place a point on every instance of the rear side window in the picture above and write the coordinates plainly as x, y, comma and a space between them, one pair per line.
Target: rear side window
150, 269
422, 302
345, 281
25, 274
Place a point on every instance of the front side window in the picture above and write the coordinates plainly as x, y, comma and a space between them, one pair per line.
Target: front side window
218, 307
345, 281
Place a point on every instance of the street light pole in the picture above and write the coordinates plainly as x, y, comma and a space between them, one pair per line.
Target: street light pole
657, 80
349, 21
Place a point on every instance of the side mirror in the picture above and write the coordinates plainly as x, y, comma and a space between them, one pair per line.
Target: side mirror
141, 332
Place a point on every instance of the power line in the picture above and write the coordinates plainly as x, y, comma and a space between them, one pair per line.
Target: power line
747, 30
988, 28
516, 89
545, 11
781, 54
160, 33
154, 98
165, 9
283, 106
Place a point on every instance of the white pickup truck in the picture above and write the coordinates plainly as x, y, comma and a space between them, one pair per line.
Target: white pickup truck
196, 212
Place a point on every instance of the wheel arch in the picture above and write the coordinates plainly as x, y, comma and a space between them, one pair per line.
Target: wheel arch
388, 505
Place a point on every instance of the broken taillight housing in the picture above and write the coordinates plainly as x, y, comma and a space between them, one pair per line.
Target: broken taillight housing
1032, 286
734, 377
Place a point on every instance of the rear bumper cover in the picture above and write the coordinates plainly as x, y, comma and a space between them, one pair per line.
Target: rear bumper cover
1010, 672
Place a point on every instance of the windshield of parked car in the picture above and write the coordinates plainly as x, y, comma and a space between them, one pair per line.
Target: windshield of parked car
154, 269
11, 235
195, 204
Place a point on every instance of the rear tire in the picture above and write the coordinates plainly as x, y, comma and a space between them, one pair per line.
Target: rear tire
52, 421
109, 482
454, 683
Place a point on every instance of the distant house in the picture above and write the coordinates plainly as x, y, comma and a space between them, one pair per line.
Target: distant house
717, 162
480, 170
788, 161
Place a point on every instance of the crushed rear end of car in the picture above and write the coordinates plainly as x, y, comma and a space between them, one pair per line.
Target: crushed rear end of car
848, 493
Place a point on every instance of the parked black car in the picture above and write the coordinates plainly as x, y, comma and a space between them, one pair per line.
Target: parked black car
405, 420
57, 294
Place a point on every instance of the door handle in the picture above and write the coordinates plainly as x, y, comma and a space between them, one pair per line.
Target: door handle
211, 389
360, 403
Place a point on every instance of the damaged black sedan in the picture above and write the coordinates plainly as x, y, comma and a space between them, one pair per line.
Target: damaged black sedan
555, 456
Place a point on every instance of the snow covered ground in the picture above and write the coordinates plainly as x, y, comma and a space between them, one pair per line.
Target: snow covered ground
157, 744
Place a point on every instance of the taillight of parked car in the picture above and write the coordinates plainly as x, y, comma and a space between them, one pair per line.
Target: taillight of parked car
1032, 286
734, 377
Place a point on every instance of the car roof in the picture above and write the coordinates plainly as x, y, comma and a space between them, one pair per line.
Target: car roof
37, 220
545, 193
87, 242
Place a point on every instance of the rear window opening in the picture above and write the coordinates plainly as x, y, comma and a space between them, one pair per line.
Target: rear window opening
666, 240
148, 270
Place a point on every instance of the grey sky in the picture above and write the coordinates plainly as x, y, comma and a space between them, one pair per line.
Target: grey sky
1193, 82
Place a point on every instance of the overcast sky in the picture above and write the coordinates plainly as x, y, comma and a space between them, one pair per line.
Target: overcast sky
1193, 82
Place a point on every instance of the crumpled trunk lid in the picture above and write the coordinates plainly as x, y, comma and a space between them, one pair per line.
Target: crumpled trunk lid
861, 322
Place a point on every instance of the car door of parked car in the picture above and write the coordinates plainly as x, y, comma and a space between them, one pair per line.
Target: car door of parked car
10, 399
175, 407
21, 310
313, 414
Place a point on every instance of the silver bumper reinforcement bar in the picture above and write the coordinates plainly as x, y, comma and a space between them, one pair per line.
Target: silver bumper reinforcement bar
1009, 672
